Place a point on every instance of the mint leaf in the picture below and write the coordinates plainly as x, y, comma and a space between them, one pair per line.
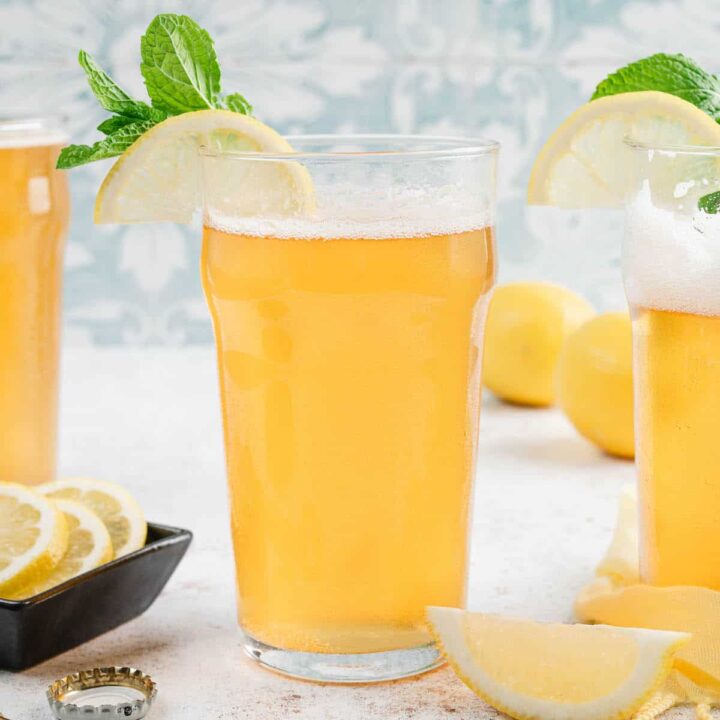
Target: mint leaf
237, 103
112, 97
111, 146
114, 123
179, 65
673, 74
710, 203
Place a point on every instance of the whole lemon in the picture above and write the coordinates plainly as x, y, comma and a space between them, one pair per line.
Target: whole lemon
526, 326
595, 383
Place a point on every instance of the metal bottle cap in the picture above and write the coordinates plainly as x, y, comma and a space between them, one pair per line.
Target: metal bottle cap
120, 692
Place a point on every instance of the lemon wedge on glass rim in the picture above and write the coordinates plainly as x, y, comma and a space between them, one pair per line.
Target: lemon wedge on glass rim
552, 671
158, 178
89, 546
585, 162
119, 511
33, 537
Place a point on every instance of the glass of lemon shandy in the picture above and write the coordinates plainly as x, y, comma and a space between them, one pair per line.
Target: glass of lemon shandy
34, 209
672, 281
348, 284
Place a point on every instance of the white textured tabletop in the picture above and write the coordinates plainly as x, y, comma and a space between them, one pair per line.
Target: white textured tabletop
149, 419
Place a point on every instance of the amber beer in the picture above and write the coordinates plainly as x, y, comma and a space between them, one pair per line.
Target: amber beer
350, 376
677, 363
34, 208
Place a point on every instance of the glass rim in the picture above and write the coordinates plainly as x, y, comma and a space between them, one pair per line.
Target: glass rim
680, 149
29, 129
448, 147
14, 121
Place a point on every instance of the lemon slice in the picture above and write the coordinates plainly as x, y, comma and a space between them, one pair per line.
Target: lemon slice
158, 177
552, 671
585, 162
89, 546
33, 537
118, 510
620, 563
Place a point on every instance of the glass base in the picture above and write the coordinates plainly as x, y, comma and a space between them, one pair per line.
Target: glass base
342, 668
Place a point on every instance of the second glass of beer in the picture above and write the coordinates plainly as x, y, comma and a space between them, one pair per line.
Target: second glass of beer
672, 282
349, 335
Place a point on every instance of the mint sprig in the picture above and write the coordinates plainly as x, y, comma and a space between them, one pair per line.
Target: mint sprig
673, 74
677, 75
181, 73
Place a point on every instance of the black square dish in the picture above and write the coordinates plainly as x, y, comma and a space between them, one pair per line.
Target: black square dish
89, 605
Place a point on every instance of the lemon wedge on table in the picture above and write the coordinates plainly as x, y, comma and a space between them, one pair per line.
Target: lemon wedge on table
119, 511
553, 671
89, 546
33, 537
158, 177
585, 163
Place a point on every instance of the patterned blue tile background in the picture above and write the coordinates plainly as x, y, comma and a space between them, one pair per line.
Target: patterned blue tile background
509, 69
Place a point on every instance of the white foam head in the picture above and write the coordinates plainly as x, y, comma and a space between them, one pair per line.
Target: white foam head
367, 214
671, 260
29, 133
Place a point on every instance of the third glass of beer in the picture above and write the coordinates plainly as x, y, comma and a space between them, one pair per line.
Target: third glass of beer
349, 325
34, 209
672, 282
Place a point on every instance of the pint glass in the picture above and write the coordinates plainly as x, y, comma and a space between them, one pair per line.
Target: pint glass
348, 285
672, 281
34, 209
